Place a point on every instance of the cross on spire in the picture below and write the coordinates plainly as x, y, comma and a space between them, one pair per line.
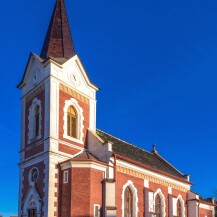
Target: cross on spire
58, 42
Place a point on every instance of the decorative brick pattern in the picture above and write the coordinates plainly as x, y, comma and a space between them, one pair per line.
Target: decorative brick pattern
150, 178
34, 150
74, 94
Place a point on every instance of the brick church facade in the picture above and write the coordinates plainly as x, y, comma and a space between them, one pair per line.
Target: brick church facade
68, 168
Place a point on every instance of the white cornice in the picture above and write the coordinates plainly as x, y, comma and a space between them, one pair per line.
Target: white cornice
151, 173
83, 164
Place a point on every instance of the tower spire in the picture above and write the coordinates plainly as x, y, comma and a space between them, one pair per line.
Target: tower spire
58, 42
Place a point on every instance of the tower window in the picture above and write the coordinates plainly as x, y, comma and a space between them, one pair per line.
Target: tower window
73, 125
71, 122
36, 121
128, 203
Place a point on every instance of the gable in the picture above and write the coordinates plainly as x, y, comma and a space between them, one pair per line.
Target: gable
33, 73
73, 74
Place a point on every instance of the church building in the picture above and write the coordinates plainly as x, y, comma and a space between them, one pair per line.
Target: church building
68, 167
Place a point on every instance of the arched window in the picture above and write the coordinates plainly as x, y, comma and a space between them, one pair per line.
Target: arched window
179, 209
158, 206
128, 203
71, 122
36, 121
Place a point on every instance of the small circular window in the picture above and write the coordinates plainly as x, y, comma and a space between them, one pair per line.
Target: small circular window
33, 175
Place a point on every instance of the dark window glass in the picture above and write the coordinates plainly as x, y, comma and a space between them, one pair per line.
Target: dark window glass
36, 133
32, 213
128, 203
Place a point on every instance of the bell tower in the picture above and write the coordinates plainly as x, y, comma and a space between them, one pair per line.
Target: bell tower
58, 107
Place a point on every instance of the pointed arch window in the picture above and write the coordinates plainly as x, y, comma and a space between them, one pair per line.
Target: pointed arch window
158, 206
128, 203
71, 122
36, 121
179, 209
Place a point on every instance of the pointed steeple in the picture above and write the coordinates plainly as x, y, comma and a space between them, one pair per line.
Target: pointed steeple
58, 42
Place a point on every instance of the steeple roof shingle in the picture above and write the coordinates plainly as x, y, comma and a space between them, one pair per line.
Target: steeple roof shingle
58, 42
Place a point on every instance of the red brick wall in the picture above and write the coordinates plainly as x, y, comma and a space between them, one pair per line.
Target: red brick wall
34, 150
68, 150
64, 195
96, 189
205, 212
86, 190
85, 106
80, 197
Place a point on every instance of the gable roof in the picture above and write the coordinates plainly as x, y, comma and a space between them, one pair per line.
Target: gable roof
134, 153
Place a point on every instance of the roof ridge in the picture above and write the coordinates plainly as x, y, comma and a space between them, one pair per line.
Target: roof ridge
163, 159
125, 142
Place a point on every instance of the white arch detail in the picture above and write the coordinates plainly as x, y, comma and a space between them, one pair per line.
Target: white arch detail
159, 192
135, 197
80, 121
31, 118
32, 201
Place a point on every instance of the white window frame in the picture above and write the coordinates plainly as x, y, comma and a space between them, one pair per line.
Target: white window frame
94, 214
175, 201
65, 176
163, 204
31, 119
80, 121
135, 198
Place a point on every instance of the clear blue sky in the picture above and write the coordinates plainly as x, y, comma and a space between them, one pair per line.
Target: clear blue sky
156, 64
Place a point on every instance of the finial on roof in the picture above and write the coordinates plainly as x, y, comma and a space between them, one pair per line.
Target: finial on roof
58, 42
154, 149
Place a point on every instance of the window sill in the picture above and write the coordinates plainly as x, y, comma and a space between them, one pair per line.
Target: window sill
34, 139
73, 139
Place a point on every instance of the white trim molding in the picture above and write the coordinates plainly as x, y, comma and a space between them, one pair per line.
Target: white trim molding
151, 173
31, 118
80, 121
163, 204
135, 198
